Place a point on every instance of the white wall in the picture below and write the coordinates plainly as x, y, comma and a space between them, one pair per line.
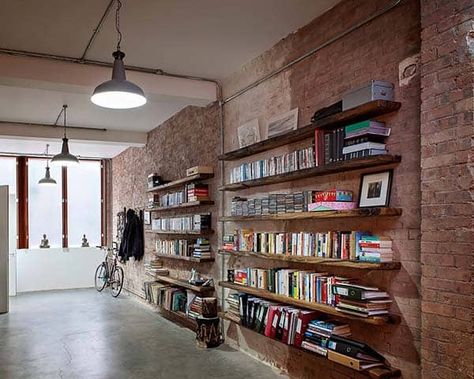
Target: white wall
53, 269
4, 242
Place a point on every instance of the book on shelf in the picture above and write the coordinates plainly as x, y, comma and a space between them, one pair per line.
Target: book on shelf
191, 223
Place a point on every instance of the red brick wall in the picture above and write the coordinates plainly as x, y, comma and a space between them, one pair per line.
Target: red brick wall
446, 183
372, 52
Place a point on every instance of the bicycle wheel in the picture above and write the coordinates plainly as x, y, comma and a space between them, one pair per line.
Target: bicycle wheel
100, 279
117, 281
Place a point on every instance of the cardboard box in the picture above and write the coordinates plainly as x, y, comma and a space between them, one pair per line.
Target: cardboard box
199, 170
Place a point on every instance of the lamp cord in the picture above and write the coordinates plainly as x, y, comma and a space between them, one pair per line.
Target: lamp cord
64, 113
117, 23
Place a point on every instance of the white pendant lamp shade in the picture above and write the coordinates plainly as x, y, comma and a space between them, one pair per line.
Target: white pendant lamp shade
118, 93
47, 180
64, 158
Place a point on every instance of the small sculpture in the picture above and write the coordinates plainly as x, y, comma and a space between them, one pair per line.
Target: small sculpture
44, 243
85, 243
194, 276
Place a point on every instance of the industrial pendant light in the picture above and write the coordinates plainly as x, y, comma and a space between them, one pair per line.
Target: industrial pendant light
47, 180
118, 93
64, 158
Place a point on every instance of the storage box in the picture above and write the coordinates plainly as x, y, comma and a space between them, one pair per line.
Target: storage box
199, 170
374, 90
154, 180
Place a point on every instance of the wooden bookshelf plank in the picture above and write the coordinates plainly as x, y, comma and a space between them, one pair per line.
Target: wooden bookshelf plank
316, 260
178, 317
183, 283
360, 113
181, 233
323, 308
183, 205
375, 373
190, 259
179, 182
359, 212
328, 169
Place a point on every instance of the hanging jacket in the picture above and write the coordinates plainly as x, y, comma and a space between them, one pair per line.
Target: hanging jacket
132, 244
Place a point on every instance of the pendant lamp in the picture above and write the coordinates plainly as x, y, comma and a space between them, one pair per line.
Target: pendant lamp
47, 180
64, 158
118, 93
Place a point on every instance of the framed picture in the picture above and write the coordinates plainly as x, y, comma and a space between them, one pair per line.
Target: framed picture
248, 133
375, 189
282, 123
147, 217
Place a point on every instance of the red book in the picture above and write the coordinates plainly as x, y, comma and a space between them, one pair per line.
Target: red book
304, 317
271, 314
274, 326
284, 337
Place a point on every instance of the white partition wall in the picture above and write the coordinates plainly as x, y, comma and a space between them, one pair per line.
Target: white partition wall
4, 247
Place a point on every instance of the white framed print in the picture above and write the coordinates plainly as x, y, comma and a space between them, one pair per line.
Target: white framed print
147, 217
375, 189
282, 123
248, 133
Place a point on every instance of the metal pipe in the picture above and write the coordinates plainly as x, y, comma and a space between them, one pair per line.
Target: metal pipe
50, 125
311, 52
97, 29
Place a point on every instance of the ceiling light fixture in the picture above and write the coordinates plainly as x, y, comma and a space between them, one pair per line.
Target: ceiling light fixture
118, 93
47, 180
64, 158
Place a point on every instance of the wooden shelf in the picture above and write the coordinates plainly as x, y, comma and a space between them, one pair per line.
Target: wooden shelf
375, 373
190, 259
360, 113
323, 308
178, 317
359, 212
182, 233
184, 284
183, 205
179, 182
316, 260
331, 168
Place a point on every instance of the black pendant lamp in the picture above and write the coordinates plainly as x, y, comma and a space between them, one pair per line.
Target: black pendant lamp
118, 93
47, 180
64, 158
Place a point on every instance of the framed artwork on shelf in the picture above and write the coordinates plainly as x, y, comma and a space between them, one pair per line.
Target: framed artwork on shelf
248, 133
147, 217
282, 123
375, 189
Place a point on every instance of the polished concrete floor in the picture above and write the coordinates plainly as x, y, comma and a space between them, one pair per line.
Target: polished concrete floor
84, 334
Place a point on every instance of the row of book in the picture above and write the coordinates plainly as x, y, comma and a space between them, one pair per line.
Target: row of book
196, 222
302, 328
165, 296
317, 287
361, 139
296, 160
352, 245
200, 248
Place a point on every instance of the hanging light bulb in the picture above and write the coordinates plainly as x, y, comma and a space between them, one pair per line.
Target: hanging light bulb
47, 180
118, 93
64, 158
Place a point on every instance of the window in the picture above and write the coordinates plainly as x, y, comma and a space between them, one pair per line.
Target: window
8, 173
44, 205
84, 203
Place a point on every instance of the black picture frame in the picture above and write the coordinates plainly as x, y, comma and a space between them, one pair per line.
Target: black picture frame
364, 200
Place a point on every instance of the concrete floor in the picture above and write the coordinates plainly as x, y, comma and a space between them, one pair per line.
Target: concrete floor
85, 334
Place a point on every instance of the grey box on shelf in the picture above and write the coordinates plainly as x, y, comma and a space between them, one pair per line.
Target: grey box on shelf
373, 90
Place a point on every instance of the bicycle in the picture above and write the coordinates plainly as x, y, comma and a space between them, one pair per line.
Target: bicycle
108, 273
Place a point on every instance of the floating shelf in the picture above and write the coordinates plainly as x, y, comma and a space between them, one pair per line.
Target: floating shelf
331, 168
359, 212
179, 182
182, 205
360, 113
315, 260
178, 317
184, 284
182, 233
323, 308
190, 259
375, 373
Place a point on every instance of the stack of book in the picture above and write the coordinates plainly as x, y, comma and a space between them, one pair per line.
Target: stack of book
195, 308
296, 160
332, 200
361, 301
228, 242
233, 311
364, 139
155, 267
318, 334
197, 192
202, 248
375, 249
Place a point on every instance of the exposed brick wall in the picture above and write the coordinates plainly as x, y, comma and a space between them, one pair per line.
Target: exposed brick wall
188, 139
372, 52
447, 184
